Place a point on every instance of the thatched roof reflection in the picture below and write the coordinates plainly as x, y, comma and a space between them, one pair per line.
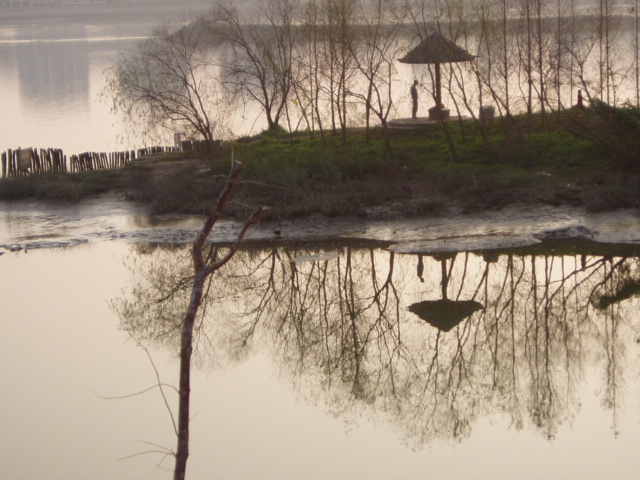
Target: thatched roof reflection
445, 314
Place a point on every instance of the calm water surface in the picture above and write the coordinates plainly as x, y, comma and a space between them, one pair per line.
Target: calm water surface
312, 363
52, 72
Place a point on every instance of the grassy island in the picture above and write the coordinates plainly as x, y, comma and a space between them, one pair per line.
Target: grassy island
461, 166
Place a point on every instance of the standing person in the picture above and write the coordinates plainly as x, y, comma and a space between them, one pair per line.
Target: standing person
414, 98
580, 100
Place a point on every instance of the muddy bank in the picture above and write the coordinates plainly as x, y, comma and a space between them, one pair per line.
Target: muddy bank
32, 224
510, 227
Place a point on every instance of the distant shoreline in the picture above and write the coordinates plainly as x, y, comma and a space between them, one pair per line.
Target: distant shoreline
9, 15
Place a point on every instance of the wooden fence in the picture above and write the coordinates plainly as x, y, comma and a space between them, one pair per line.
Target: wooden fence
33, 161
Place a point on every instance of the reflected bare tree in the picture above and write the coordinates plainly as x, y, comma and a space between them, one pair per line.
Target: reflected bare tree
260, 49
203, 268
338, 325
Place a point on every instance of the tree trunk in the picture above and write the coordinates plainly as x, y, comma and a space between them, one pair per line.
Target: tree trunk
202, 271
186, 348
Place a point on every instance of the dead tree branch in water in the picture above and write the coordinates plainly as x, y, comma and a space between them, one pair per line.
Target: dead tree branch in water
202, 270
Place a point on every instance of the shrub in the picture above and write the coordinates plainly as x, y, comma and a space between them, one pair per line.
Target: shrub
616, 130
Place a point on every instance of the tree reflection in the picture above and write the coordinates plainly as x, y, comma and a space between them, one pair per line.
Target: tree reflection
340, 327
153, 308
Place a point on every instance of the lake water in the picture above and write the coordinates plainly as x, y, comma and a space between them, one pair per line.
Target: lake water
52, 73
314, 360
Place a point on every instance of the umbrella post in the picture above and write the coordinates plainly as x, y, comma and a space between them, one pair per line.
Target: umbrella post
438, 87
438, 112
444, 281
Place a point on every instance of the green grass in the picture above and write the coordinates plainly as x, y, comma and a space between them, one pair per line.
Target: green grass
63, 187
527, 162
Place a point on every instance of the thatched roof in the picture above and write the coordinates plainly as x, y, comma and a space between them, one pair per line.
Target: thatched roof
437, 49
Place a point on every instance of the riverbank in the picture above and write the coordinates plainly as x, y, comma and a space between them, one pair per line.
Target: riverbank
31, 225
163, 199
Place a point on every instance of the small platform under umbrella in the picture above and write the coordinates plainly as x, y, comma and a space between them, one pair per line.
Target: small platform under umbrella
436, 49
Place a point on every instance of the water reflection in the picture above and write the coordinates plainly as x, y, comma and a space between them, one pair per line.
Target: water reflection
444, 313
54, 73
341, 327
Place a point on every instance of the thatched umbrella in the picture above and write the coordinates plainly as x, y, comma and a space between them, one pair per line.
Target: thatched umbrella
436, 49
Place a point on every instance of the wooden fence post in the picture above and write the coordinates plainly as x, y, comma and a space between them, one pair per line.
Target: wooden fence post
11, 163
53, 160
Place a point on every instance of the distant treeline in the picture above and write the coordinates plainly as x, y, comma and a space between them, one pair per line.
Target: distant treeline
325, 66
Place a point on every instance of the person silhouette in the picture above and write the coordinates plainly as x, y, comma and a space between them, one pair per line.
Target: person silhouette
580, 100
414, 98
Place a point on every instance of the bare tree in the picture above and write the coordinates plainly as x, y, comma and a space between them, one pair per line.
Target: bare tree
373, 56
260, 59
307, 86
202, 270
166, 85
636, 50
339, 31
